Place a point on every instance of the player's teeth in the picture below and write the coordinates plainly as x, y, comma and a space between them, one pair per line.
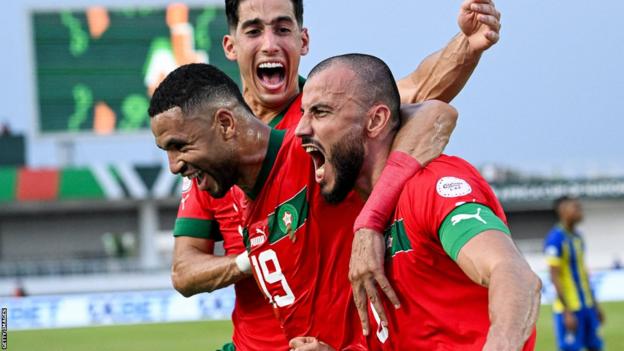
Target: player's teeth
271, 65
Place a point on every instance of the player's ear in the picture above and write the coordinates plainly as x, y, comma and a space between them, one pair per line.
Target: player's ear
225, 123
305, 41
378, 118
229, 47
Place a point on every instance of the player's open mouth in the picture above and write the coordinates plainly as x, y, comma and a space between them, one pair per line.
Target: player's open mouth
319, 161
271, 74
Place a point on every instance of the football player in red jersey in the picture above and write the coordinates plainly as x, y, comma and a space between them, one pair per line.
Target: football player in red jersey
267, 39
462, 283
299, 246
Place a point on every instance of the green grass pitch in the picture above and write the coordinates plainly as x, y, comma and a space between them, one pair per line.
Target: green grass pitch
211, 335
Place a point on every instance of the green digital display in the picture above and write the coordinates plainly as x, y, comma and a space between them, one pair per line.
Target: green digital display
97, 68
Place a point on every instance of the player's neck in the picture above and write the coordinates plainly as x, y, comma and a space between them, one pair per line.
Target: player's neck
264, 111
374, 163
569, 227
253, 149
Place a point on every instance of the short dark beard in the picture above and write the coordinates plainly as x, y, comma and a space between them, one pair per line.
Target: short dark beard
347, 160
226, 178
223, 188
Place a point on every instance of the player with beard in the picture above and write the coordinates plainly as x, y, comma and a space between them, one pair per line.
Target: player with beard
267, 39
462, 283
299, 245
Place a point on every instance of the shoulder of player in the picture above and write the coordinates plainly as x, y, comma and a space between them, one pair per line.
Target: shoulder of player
234, 195
441, 167
191, 191
290, 167
579, 235
554, 235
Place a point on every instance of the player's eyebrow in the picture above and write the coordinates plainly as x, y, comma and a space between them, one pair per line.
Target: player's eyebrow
252, 22
320, 106
171, 143
257, 21
283, 19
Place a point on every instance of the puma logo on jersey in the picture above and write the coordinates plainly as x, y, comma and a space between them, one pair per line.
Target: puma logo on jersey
258, 240
463, 216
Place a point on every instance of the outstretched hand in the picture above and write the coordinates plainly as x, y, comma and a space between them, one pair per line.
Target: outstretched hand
480, 22
366, 271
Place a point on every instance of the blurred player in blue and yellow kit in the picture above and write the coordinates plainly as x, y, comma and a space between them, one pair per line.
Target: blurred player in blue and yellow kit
576, 311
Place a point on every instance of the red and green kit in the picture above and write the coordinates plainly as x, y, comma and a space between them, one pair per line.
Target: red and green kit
299, 247
202, 216
441, 208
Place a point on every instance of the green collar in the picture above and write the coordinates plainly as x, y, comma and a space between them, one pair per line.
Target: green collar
275, 143
275, 121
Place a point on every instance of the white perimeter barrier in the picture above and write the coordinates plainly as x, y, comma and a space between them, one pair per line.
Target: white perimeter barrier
77, 310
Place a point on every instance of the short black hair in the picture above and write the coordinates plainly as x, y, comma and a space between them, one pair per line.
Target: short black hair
232, 6
192, 85
378, 83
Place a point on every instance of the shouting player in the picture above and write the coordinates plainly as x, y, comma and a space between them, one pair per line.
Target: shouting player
461, 281
298, 244
267, 38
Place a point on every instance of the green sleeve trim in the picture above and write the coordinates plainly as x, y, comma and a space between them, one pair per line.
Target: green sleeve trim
197, 228
464, 223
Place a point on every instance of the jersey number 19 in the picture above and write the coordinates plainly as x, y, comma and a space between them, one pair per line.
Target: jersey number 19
264, 275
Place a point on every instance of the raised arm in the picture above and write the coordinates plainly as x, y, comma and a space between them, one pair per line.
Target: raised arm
425, 131
490, 259
440, 76
444, 73
196, 269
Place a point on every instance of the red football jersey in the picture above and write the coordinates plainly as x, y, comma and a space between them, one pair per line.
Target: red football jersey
201, 215
441, 308
300, 247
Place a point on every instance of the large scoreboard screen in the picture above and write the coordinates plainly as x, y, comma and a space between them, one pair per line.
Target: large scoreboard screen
97, 68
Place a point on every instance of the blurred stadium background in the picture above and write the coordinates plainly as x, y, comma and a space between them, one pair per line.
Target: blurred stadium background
87, 204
